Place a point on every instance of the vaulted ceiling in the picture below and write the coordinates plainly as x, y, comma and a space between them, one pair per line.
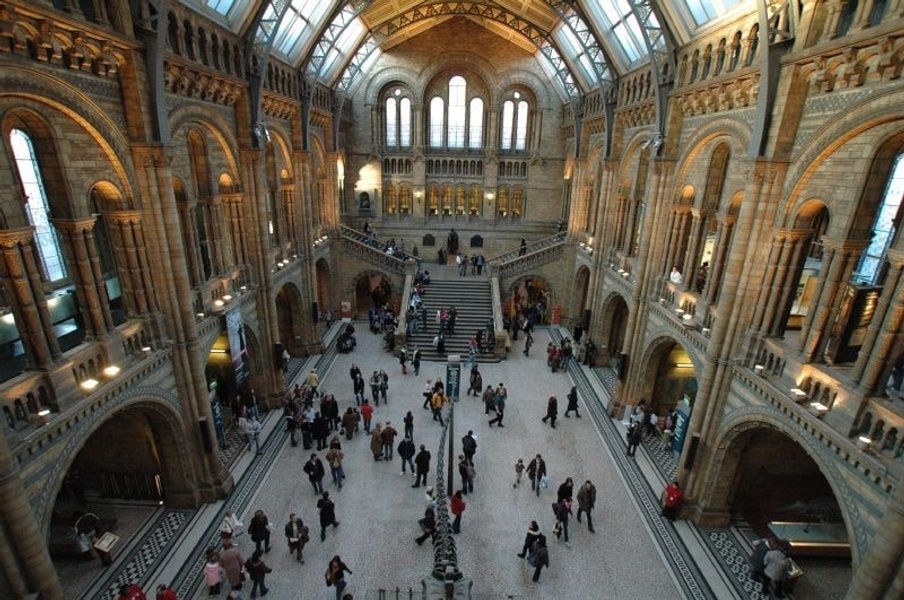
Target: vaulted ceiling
581, 44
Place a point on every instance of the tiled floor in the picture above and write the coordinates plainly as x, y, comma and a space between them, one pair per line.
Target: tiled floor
378, 510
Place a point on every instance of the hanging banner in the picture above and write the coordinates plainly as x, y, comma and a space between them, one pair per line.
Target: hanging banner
453, 379
682, 420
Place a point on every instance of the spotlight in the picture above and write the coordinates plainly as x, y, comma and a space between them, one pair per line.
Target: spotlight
112, 371
89, 384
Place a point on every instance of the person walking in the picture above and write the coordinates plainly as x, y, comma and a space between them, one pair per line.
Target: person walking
437, 403
259, 529
536, 471
315, 471
334, 458
533, 533
384, 385
232, 561
376, 442
499, 405
359, 388
349, 423
422, 461
320, 429
586, 501
467, 473
297, 535
427, 525
635, 435
409, 425
253, 433
327, 514
403, 360
552, 410
562, 511
213, 572
566, 490
257, 571
457, 507
539, 557
528, 342
367, 413
489, 400
388, 438
164, 592
375, 388
672, 499
416, 361
406, 452
428, 393
469, 446
475, 382
335, 575
313, 381
519, 471
573, 402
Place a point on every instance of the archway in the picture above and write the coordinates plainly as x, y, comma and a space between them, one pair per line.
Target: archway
668, 385
372, 289
614, 327
530, 297
322, 270
131, 464
813, 220
765, 481
579, 297
288, 316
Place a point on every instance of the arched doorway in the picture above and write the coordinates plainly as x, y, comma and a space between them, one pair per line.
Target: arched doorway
322, 270
132, 463
579, 297
288, 316
667, 384
763, 481
372, 289
530, 296
614, 328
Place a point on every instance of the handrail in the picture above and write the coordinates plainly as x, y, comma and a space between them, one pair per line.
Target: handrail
536, 246
365, 247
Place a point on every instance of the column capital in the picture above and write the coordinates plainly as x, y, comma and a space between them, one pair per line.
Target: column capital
792, 235
844, 245
120, 217
895, 257
75, 225
13, 237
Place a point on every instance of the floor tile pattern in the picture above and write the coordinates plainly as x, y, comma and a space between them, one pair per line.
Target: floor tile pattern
728, 547
661, 456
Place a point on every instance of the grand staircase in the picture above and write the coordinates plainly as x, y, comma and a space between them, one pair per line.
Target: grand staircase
472, 298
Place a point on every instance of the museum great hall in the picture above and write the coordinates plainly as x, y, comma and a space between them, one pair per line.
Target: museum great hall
703, 196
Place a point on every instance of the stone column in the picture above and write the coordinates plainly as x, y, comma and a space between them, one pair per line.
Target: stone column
135, 291
777, 281
25, 293
27, 542
222, 258
189, 236
888, 337
896, 264
789, 287
862, 14
880, 568
91, 294
689, 267
839, 272
722, 248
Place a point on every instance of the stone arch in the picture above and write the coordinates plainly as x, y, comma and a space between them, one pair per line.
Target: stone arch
705, 144
525, 291
529, 80
466, 61
372, 288
165, 421
661, 379
384, 77
254, 354
726, 458
580, 294
614, 325
324, 286
281, 140
289, 307
186, 117
735, 132
107, 196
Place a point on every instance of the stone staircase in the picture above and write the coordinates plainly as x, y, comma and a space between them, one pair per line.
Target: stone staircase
472, 298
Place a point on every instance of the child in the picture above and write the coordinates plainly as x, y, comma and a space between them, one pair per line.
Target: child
213, 572
519, 469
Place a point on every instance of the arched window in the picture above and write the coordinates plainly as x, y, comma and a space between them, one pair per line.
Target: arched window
521, 128
436, 122
37, 206
475, 129
508, 120
405, 123
887, 223
392, 138
457, 114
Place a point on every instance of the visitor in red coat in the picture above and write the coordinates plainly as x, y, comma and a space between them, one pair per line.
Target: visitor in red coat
367, 413
131, 591
457, 506
164, 592
672, 498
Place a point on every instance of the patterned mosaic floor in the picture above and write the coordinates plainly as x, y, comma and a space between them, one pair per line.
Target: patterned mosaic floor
732, 551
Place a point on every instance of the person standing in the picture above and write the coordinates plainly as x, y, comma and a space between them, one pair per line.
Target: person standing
672, 498
566, 490
777, 566
539, 556
489, 400
375, 388
409, 425
416, 361
334, 458
315, 471
257, 571
519, 471
757, 563
586, 501
164, 592
327, 514
466, 472
297, 535
499, 405
253, 433
359, 388
131, 591
475, 382
573, 403
437, 403
457, 507
536, 471
321, 429
232, 561
469, 446
552, 410
422, 461
376, 442
388, 438
406, 452
213, 572
528, 342
384, 385
259, 529
635, 435
367, 413
403, 360
335, 575
562, 510
349, 423
313, 381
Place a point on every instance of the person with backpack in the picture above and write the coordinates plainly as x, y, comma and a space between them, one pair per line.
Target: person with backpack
213, 572
257, 571
469, 446
406, 452
297, 535
539, 556
335, 575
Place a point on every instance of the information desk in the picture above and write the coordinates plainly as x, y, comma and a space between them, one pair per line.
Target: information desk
813, 539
